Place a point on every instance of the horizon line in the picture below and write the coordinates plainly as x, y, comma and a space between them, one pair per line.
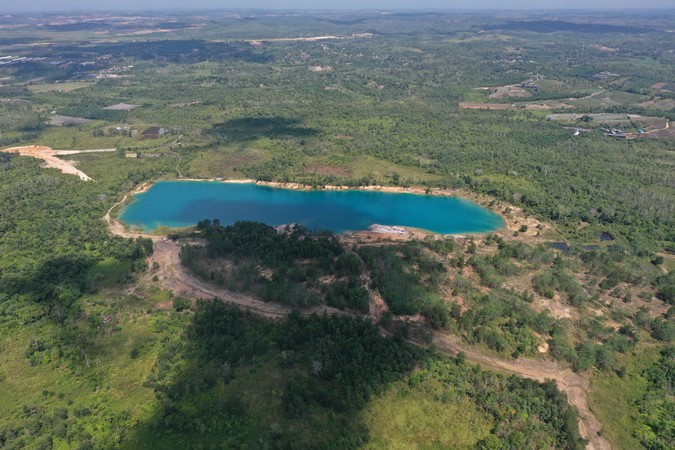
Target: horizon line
350, 9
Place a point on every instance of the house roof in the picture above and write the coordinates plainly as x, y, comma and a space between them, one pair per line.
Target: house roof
152, 130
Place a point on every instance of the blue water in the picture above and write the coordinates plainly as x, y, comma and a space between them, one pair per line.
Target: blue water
176, 204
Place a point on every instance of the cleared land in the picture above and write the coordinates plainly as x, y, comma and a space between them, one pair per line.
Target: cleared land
600, 117
510, 91
64, 121
257, 42
663, 86
478, 105
59, 87
650, 124
50, 158
121, 107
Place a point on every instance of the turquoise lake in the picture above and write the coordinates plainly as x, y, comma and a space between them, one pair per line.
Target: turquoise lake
176, 204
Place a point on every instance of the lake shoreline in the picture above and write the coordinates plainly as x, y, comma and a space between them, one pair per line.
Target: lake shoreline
512, 216
329, 187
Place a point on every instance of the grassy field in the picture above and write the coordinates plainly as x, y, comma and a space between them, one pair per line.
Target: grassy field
424, 417
613, 399
60, 87
80, 138
225, 162
110, 382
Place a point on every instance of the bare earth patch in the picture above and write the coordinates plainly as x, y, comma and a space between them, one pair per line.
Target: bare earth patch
121, 107
510, 91
321, 69
665, 104
50, 158
477, 105
663, 86
667, 132
538, 107
64, 121
259, 42
554, 306
604, 48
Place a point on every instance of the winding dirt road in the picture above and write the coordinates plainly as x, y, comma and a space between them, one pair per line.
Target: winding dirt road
574, 385
178, 280
174, 277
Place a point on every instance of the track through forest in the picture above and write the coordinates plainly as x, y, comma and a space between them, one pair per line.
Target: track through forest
574, 385
174, 277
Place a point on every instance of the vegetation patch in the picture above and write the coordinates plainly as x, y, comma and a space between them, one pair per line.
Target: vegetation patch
292, 266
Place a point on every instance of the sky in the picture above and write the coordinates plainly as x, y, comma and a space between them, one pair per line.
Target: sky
63, 5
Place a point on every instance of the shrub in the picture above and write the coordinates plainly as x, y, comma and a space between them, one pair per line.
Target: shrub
180, 304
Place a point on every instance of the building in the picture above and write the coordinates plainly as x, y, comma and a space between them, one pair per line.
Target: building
154, 133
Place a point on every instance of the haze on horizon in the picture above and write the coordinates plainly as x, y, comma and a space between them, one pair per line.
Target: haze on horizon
66, 5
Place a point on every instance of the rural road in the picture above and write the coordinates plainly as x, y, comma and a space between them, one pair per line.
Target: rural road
574, 385
174, 277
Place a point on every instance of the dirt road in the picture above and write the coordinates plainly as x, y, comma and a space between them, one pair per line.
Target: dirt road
574, 385
665, 128
49, 156
174, 277
178, 280
115, 226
